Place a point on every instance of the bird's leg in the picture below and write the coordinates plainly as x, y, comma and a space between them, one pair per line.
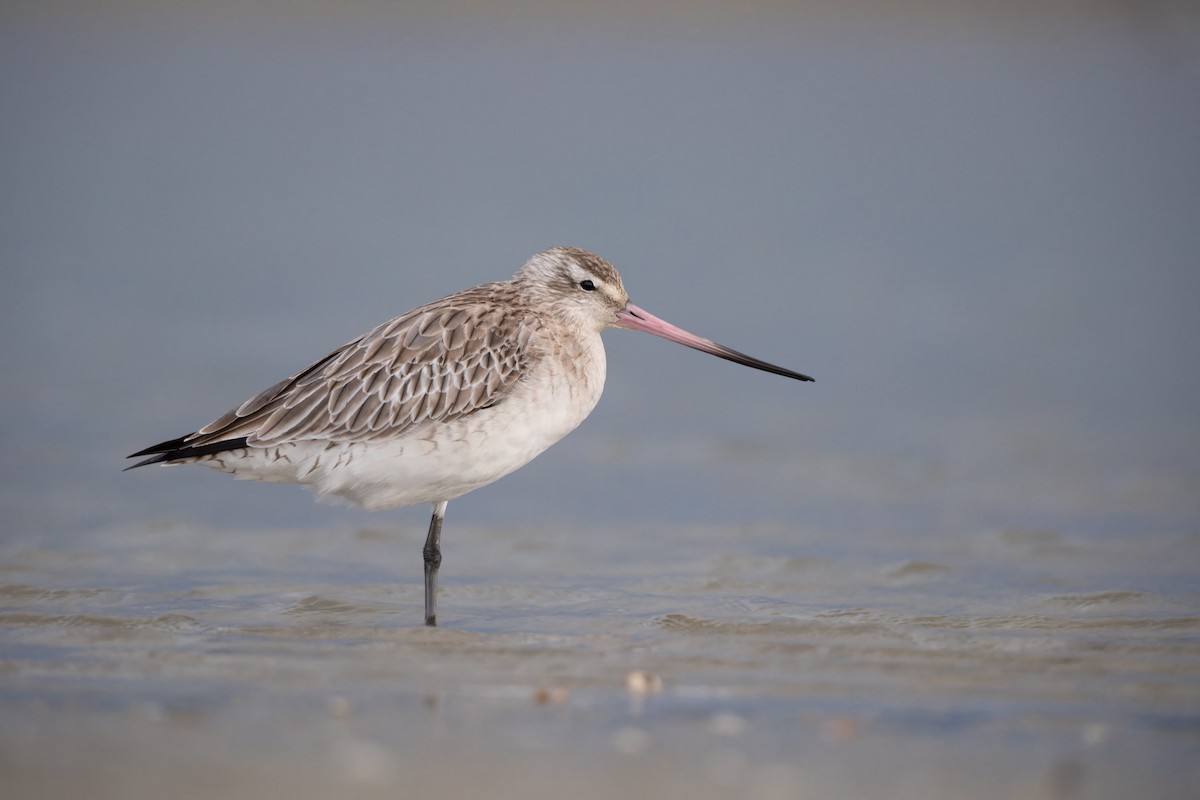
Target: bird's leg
433, 560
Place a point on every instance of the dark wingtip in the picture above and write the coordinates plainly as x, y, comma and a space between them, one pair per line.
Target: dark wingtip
178, 450
157, 459
162, 447
158, 453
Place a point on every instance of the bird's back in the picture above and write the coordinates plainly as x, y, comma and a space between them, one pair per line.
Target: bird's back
429, 405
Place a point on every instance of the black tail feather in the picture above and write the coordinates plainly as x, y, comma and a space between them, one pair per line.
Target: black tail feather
179, 449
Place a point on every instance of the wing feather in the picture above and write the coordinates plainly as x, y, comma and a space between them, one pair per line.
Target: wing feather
435, 364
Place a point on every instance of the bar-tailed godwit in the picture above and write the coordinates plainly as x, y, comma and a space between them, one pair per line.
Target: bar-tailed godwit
441, 400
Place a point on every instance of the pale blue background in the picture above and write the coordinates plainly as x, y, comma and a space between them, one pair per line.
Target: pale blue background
980, 234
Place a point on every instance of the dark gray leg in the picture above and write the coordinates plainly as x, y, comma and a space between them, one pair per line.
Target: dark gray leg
433, 560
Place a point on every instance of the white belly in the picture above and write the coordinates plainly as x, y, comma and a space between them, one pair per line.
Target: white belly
436, 461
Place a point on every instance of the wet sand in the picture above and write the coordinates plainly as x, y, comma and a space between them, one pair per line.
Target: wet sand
643, 662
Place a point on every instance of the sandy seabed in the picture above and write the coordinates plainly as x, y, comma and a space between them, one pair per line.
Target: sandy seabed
637, 663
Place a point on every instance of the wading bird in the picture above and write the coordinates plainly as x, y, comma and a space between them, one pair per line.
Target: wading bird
441, 400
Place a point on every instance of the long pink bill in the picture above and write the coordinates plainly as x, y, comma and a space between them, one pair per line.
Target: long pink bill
637, 319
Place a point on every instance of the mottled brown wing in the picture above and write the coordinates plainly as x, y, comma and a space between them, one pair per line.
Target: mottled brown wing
434, 364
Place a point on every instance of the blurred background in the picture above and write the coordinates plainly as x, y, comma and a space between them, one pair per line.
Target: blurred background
979, 229
963, 563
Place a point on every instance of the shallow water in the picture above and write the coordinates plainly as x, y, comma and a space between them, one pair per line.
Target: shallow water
964, 563
643, 660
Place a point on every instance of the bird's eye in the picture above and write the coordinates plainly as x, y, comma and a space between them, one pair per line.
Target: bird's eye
587, 286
